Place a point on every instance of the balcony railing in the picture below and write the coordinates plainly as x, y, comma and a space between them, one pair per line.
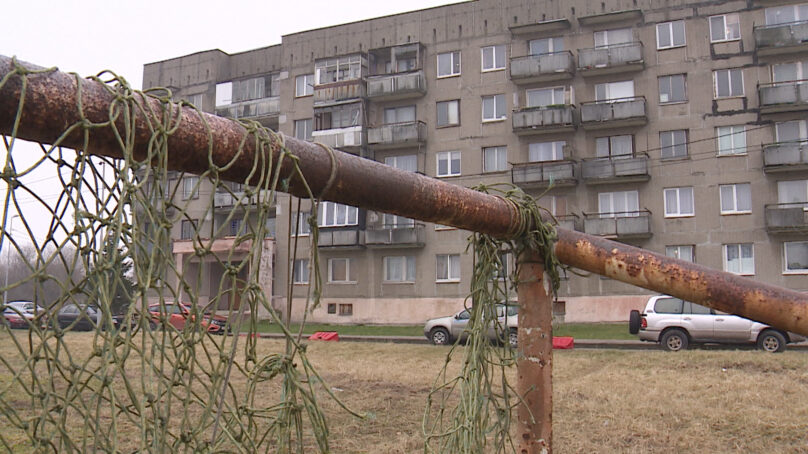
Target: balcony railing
783, 96
787, 217
389, 87
570, 222
342, 138
610, 59
785, 156
335, 92
343, 239
240, 198
781, 38
542, 68
255, 108
396, 236
615, 168
397, 135
544, 174
544, 120
624, 224
613, 113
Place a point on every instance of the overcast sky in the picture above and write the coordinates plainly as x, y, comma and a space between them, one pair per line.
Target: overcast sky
88, 36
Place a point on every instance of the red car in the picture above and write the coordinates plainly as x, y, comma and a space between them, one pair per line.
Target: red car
15, 321
178, 314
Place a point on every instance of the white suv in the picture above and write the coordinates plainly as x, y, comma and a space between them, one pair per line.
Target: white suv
676, 323
443, 330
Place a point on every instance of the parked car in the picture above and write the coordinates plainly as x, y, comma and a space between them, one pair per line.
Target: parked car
178, 314
676, 324
79, 318
20, 313
444, 330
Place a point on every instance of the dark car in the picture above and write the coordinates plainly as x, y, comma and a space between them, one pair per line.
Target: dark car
78, 318
178, 314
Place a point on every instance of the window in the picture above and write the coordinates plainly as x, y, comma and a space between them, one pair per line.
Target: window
300, 271
556, 205
236, 227
336, 214
448, 163
339, 271
614, 91
256, 88
448, 267
189, 188
544, 97
622, 203
739, 258
407, 162
725, 27
681, 252
679, 202
795, 256
332, 308
303, 129
546, 151
495, 159
448, 113
196, 100
731, 140
397, 222
670, 34
614, 37
270, 231
786, 14
668, 306
791, 131
728, 82
304, 85
335, 117
789, 72
301, 227
346, 309
401, 114
338, 69
399, 269
187, 229
546, 45
672, 88
673, 144
224, 94
449, 64
614, 146
493, 58
736, 198
493, 107
793, 192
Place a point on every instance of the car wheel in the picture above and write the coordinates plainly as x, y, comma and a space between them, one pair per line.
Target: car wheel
674, 340
513, 338
771, 341
634, 322
439, 336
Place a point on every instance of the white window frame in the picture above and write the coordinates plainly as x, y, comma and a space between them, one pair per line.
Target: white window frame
330, 212
746, 265
734, 135
500, 158
734, 190
188, 228
605, 89
451, 265
795, 198
348, 276
603, 36
399, 162
449, 157
554, 44
554, 92
613, 212
556, 149
786, 269
677, 251
666, 28
674, 144
307, 82
728, 34
300, 271
738, 72
496, 51
454, 64
669, 78
802, 126
451, 104
189, 188
610, 147
407, 267
308, 129
679, 194
771, 14
499, 103
345, 67
300, 224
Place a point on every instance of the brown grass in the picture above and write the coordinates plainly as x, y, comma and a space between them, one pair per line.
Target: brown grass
605, 401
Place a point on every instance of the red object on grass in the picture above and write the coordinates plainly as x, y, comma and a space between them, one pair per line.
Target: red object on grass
325, 335
563, 343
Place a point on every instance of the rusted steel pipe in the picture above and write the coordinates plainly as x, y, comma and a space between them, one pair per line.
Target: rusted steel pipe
51, 106
534, 381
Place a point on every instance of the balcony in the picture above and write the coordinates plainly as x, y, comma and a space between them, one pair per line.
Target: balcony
240, 199
333, 93
615, 169
610, 59
544, 174
569, 222
620, 225
783, 96
397, 135
390, 87
544, 120
542, 68
614, 113
341, 239
785, 157
342, 138
255, 109
781, 38
396, 236
787, 218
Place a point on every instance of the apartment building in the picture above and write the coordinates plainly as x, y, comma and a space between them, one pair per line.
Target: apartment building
676, 126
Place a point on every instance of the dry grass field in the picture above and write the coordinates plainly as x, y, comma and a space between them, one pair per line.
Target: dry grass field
717, 401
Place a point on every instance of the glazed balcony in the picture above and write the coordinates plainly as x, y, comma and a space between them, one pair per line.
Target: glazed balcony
619, 225
544, 120
397, 135
614, 113
785, 157
333, 93
543, 174
542, 68
787, 218
240, 199
341, 239
781, 38
390, 87
610, 59
615, 169
261, 110
779, 97
412, 236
